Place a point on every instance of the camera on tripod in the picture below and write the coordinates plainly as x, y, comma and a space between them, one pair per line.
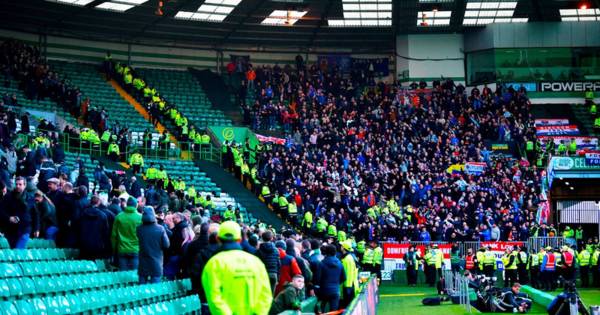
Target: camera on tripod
568, 302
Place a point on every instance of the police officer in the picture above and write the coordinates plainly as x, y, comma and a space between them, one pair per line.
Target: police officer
367, 260
534, 269
235, 282
510, 267
489, 262
429, 260
113, 151
151, 173
377, 259
137, 162
350, 285
584, 258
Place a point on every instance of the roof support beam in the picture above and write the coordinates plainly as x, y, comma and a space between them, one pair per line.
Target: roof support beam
143, 30
242, 21
324, 16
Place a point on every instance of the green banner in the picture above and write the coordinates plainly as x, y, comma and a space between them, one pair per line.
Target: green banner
237, 135
563, 163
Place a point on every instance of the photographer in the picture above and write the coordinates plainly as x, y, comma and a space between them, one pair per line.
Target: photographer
568, 302
512, 300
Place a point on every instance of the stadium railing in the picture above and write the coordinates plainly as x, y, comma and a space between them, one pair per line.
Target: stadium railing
75, 144
365, 303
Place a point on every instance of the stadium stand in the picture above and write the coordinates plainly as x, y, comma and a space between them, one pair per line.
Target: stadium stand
102, 95
181, 89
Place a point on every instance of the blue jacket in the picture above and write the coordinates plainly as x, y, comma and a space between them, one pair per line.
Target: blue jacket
330, 276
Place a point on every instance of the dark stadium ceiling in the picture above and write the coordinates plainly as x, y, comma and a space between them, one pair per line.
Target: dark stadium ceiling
242, 26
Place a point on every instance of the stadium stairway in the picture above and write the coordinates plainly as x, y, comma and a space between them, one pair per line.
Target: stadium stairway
582, 114
241, 194
138, 107
218, 93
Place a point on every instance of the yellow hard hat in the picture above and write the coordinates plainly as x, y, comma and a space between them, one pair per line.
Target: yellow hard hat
230, 231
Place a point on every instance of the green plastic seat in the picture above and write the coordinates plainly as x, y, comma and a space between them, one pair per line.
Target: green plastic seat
14, 287
8, 308
74, 303
9, 270
4, 289
25, 307
27, 286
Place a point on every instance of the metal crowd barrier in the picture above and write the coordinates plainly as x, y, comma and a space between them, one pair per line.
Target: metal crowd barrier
457, 287
189, 151
536, 243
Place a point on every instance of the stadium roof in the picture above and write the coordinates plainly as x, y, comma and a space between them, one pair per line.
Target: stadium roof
362, 25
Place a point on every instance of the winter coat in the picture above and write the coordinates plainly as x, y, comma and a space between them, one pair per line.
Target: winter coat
290, 299
94, 234
329, 276
124, 237
14, 204
289, 268
269, 255
153, 241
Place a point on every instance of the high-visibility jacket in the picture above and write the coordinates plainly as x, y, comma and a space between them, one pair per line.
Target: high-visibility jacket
127, 78
523, 257
161, 174
179, 185
568, 259
377, 256
558, 258
147, 91
321, 225
480, 259
513, 265
351, 272
597, 122
534, 260
593, 109
151, 173
236, 282
584, 258
245, 168
360, 247
429, 258
282, 202
529, 146
595, 257
205, 139
191, 192
572, 150
331, 230
292, 209
308, 219
489, 258
113, 147
265, 191
549, 262
439, 259
228, 215
368, 257
469, 262
136, 159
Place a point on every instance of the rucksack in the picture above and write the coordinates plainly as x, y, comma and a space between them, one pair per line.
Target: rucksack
431, 301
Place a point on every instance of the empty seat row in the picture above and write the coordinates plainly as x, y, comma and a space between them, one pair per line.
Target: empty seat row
45, 285
186, 305
99, 301
31, 269
14, 255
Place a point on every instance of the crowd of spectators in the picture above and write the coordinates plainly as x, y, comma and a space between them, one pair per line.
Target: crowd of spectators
389, 163
272, 91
